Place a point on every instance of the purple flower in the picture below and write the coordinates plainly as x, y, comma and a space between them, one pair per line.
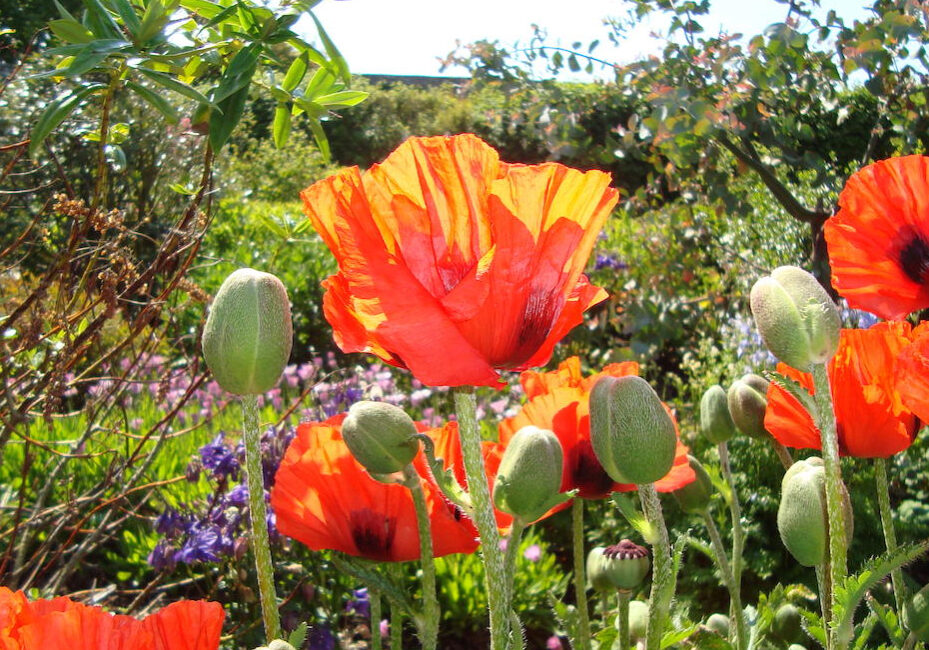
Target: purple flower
554, 643
608, 261
359, 604
205, 543
218, 458
321, 638
237, 496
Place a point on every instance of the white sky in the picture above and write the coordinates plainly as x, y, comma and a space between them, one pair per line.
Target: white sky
409, 36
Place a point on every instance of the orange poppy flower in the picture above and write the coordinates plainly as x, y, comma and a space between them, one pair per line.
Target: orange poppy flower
456, 265
871, 418
63, 624
560, 401
879, 239
324, 498
911, 377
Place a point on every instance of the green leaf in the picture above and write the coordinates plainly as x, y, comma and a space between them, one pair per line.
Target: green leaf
56, 112
295, 72
335, 58
100, 21
153, 21
128, 15
93, 55
64, 12
368, 574
70, 31
203, 8
343, 98
222, 124
280, 129
159, 102
321, 82
171, 83
298, 636
181, 189
798, 391
444, 478
634, 516
238, 73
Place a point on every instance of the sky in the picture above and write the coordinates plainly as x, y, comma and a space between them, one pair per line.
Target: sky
408, 37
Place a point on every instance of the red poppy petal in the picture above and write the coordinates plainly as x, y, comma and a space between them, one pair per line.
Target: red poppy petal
187, 625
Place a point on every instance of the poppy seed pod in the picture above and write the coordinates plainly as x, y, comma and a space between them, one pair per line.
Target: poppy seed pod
916, 614
632, 434
620, 567
801, 515
694, 498
248, 333
797, 319
786, 625
529, 477
638, 620
380, 436
716, 423
747, 400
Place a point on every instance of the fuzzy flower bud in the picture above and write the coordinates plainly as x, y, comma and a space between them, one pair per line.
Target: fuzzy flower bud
248, 333
620, 567
747, 400
797, 319
916, 614
380, 436
529, 477
801, 515
694, 498
638, 620
716, 423
631, 432
718, 623
787, 625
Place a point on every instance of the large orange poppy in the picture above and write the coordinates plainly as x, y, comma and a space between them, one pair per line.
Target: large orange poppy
871, 418
456, 265
560, 401
879, 239
63, 624
324, 498
911, 377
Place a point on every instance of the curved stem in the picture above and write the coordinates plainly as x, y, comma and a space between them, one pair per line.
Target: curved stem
430, 631
662, 578
623, 616
258, 517
374, 599
782, 454
834, 486
726, 570
580, 579
887, 523
498, 598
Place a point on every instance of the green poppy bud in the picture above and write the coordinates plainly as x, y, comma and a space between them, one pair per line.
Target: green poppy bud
797, 319
631, 432
718, 623
638, 620
716, 423
747, 400
801, 515
596, 576
916, 614
380, 436
623, 566
786, 625
796, 646
248, 333
694, 498
529, 477
277, 644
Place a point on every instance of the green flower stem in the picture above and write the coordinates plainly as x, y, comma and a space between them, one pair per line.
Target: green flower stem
396, 627
726, 570
782, 453
834, 485
258, 517
580, 579
735, 510
623, 615
887, 523
374, 598
498, 599
825, 595
662, 578
516, 639
430, 631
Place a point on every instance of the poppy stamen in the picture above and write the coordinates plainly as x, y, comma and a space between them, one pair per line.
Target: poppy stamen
914, 259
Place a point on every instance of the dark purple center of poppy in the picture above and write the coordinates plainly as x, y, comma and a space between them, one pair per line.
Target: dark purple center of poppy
373, 534
588, 474
914, 259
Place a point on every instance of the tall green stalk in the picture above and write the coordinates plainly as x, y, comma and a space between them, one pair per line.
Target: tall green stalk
580, 579
662, 575
834, 486
430, 631
728, 577
498, 598
374, 600
887, 523
623, 617
735, 511
258, 516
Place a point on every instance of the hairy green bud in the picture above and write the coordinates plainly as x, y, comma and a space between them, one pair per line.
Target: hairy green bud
747, 400
716, 423
916, 614
632, 434
786, 625
718, 623
248, 333
638, 620
621, 567
380, 436
801, 516
528, 480
694, 498
797, 319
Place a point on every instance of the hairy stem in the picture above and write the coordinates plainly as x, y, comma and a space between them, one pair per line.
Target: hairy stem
430, 631
887, 523
734, 589
735, 510
374, 599
580, 579
662, 577
258, 516
623, 616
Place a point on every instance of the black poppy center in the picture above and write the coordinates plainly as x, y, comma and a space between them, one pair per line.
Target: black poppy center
914, 259
588, 474
373, 534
